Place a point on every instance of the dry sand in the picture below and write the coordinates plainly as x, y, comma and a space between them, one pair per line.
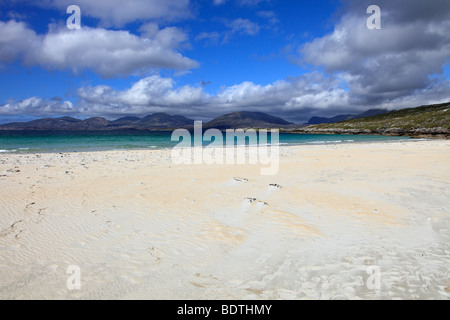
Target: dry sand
139, 226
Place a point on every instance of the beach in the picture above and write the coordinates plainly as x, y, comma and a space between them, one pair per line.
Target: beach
344, 221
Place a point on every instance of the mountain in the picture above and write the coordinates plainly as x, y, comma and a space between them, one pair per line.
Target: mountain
426, 121
64, 123
157, 121
369, 113
162, 120
245, 119
94, 123
123, 121
152, 122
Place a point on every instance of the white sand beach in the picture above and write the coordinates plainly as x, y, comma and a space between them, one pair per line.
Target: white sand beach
140, 227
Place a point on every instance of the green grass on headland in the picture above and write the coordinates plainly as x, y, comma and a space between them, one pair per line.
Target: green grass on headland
424, 121
424, 117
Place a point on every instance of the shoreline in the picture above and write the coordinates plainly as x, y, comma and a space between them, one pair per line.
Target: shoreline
395, 133
152, 148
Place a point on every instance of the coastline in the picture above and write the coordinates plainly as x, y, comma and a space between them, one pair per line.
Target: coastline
97, 143
433, 133
139, 226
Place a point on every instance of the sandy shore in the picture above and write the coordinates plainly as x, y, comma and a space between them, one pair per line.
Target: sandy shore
139, 226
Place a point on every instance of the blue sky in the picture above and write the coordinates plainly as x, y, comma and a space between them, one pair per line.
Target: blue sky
204, 58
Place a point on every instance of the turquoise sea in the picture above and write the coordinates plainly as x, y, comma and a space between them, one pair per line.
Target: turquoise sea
37, 142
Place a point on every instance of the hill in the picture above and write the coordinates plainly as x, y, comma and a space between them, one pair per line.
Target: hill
157, 121
64, 123
163, 121
339, 118
246, 119
431, 120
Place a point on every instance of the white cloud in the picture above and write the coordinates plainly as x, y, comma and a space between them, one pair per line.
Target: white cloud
119, 12
106, 52
156, 94
237, 26
270, 16
243, 26
382, 65
151, 94
210, 37
15, 40
295, 99
36, 106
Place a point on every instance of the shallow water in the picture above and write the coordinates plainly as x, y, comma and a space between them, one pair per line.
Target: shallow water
34, 142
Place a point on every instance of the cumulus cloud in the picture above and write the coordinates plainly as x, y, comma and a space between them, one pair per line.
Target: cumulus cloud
36, 106
119, 12
106, 52
15, 40
151, 94
383, 65
295, 99
289, 97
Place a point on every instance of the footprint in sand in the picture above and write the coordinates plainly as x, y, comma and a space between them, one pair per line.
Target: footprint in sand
155, 253
95, 213
203, 281
12, 229
17, 236
250, 200
112, 225
15, 223
274, 187
254, 201
30, 205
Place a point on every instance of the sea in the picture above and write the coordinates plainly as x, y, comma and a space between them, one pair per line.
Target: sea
48, 142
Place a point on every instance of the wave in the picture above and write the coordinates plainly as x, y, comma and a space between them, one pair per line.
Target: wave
324, 142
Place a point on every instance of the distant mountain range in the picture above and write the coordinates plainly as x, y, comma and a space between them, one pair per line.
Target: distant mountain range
428, 120
157, 121
344, 117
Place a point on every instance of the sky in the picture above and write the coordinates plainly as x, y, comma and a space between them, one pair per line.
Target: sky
205, 58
